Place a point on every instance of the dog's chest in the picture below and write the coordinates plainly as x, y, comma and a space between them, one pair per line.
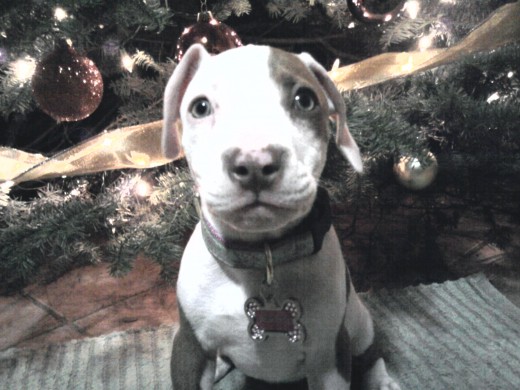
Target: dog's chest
213, 297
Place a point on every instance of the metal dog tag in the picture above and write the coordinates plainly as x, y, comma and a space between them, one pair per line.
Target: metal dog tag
266, 318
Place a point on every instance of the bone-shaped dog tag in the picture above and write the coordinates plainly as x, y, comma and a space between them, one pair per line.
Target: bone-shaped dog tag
266, 318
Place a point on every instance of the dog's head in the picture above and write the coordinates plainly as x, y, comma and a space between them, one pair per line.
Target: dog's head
254, 126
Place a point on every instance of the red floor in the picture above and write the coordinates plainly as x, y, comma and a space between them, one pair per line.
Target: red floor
87, 302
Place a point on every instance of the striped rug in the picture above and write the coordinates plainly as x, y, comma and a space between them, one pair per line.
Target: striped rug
456, 335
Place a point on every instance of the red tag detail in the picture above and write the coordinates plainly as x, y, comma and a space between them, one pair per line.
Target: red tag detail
274, 320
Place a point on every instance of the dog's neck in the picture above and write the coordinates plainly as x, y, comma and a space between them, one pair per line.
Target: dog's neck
301, 240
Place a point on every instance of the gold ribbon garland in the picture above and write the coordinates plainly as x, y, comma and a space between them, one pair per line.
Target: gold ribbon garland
501, 28
128, 147
139, 146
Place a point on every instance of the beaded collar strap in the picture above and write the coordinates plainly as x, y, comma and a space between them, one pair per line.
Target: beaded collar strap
304, 240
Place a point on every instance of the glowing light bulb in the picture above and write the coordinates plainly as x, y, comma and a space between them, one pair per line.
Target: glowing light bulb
493, 97
23, 69
425, 42
127, 62
412, 8
60, 14
142, 188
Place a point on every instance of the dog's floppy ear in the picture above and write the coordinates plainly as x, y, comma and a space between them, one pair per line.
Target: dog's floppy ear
175, 89
344, 139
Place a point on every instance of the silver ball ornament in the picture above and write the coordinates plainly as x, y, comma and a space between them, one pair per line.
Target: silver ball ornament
414, 174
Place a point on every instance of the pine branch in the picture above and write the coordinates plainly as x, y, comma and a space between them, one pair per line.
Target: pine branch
61, 230
224, 9
293, 11
142, 97
47, 235
339, 13
15, 94
403, 30
379, 128
157, 227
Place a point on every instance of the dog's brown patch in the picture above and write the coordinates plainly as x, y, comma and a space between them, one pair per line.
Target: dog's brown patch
290, 74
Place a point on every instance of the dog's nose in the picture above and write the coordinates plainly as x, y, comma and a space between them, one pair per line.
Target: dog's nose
255, 170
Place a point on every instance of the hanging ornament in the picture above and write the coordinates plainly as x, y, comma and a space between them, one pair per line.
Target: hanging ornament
67, 86
414, 174
215, 36
362, 13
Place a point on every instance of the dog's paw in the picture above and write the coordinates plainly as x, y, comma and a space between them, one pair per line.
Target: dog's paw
377, 378
387, 384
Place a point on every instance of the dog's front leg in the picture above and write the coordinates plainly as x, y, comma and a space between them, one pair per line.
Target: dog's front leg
191, 367
338, 371
330, 380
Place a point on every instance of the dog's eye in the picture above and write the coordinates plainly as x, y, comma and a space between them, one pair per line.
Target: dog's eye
305, 99
200, 108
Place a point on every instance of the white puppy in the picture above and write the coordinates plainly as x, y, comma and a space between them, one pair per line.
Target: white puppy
263, 284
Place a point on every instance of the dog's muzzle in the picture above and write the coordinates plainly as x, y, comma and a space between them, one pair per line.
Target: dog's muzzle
255, 170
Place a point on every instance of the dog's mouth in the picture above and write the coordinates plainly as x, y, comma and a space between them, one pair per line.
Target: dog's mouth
265, 202
260, 217
258, 214
267, 208
259, 211
270, 206
258, 205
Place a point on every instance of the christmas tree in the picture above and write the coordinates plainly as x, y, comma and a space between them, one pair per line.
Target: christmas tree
439, 145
